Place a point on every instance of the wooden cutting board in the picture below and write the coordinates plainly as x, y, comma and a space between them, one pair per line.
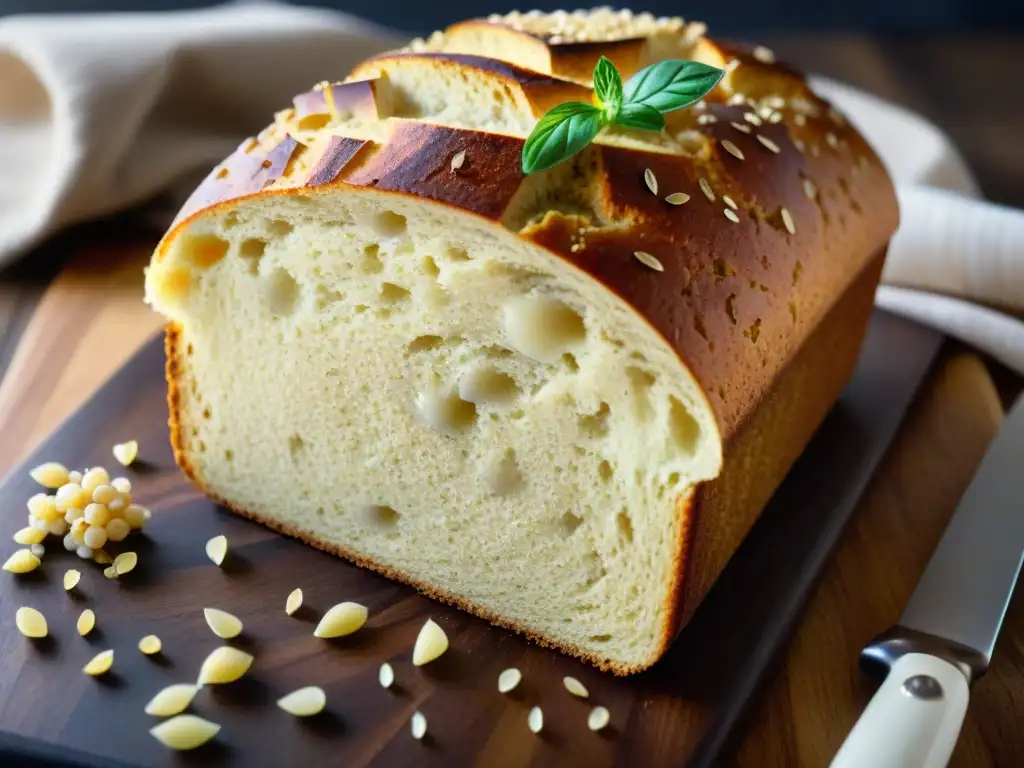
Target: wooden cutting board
688, 709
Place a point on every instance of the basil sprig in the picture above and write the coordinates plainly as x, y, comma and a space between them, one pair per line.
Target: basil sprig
641, 103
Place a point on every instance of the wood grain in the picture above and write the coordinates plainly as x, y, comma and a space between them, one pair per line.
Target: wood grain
819, 691
686, 707
89, 321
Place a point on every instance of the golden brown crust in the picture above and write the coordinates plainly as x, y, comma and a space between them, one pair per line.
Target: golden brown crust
248, 170
338, 152
417, 159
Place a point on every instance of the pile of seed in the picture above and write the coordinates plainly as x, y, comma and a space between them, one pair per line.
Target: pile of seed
89, 509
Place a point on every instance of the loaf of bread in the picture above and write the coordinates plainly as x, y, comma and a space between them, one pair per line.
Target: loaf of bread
557, 400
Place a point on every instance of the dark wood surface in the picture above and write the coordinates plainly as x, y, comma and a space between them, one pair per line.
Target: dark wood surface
687, 709
61, 338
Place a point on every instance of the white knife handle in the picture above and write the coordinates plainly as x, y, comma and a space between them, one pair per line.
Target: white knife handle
912, 721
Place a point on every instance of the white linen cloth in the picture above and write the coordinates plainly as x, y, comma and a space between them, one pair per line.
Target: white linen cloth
102, 112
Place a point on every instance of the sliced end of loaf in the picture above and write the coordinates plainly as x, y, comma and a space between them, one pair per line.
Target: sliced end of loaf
444, 401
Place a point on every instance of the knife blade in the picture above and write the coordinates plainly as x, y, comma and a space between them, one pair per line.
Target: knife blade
965, 590
945, 638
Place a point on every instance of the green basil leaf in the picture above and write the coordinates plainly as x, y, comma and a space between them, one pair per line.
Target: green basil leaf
671, 84
640, 116
608, 87
561, 133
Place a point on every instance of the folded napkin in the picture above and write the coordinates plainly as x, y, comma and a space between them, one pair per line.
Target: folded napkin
102, 112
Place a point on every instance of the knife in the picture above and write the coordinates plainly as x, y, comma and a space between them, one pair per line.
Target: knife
944, 640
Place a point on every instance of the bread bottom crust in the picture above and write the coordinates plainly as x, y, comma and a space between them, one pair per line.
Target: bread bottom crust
713, 518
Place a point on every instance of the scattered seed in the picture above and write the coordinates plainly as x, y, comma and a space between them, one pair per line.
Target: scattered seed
730, 214
217, 549
775, 117
71, 579
741, 127
751, 118
787, 220
707, 119
172, 700
29, 535
575, 687
764, 55
126, 453
294, 602
304, 702
100, 664
50, 475
184, 732
800, 119
732, 149
418, 725
768, 143
222, 623
430, 643
457, 160
809, 189
125, 562
509, 679
37, 549
799, 145
651, 181
598, 718
342, 619
86, 621
386, 675
677, 198
730, 202
535, 720
649, 260
22, 561
832, 140
30, 622
706, 189
150, 644
224, 665
110, 572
